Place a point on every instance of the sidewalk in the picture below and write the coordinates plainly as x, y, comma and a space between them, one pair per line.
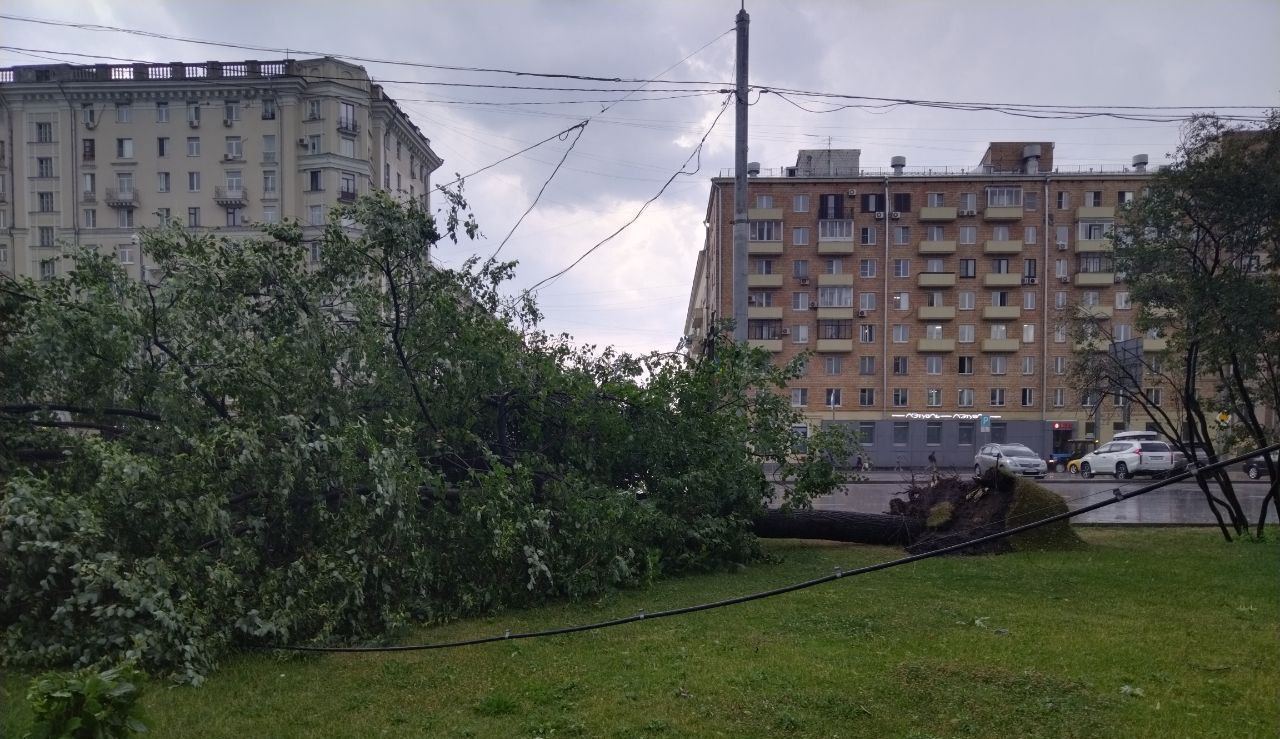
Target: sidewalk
881, 476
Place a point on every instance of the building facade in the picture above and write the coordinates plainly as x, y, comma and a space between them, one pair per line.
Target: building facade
935, 303
88, 154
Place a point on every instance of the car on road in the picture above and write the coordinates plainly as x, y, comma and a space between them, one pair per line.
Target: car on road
1124, 459
1016, 459
1256, 468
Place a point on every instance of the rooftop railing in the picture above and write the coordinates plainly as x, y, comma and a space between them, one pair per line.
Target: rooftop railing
251, 69
849, 173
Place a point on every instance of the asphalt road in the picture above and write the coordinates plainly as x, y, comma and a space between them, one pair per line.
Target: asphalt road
1180, 503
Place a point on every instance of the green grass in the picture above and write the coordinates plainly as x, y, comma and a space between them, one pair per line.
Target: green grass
1148, 632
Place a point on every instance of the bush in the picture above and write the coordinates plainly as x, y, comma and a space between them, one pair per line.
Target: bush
89, 703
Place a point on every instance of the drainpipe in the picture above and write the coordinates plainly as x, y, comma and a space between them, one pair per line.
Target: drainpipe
1044, 311
884, 321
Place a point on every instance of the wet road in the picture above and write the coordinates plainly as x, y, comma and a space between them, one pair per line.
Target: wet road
1181, 503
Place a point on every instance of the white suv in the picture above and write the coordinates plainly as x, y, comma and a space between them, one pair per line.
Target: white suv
1128, 458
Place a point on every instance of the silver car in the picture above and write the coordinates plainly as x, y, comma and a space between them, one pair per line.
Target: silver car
1014, 459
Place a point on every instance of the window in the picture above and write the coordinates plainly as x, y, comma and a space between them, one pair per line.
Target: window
867, 432
765, 230
1000, 266
965, 333
1060, 335
1000, 233
832, 396
833, 266
44, 133
968, 201
800, 267
997, 396
831, 365
44, 166
764, 201
965, 366
235, 180
965, 437
964, 397
124, 113
935, 233
1028, 268
347, 185
193, 182
314, 252
968, 234
1000, 298
999, 432
270, 214
193, 146
799, 237
163, 216
398, 148
999, 365
866, 302
1122, 301
124, 254
835, 297
235, 148
268, 109
1093, 198
1123, 332
1028, 365
231, 110
965, 299
1064, 200
867, 268
124, 148
315, 215
902, 268
90, 180
901, 432
999, 331
314, 144
1031, 201
1060, 268
235, 217
867, 333
1028, 300
900, 333
1061, 235
162, 182
800, 301
872, 203
901, 365
901, 235
1060, 299
866, 398
933, 331
1124, 197
1028, 397
193, 114
933, 399
900, 396
347, 116
935, 199
48, 269
1153, 395
901, 301
88, 114
800, 204
1059, 397
902, 201
313, 110
193, 217
933, 364
1028, 333
90, 218
866, 365
762, 298
1004, 197
1059, 365
45, 202
968, 268
799, 397
867, 235
268, 181
315, 180
269, 148
1029, 234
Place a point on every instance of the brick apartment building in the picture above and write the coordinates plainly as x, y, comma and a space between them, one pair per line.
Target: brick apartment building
90, 153
930, 299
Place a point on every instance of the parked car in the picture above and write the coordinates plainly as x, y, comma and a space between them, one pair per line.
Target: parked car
1016, 459
1256, 468
1124, 459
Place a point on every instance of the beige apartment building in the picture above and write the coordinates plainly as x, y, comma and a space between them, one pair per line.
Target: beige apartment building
935, 302
88, 154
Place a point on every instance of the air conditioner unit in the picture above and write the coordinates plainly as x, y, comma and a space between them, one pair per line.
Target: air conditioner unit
879, 215
302, 141
804, 281
813, 305
1064, 280
193, 123
229, 157
227, 122
862, 314
853, 192
785, 332
895, 215
1062, 246
1028, 280
969, 212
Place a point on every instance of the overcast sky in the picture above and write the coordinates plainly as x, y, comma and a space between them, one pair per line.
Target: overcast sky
632, 292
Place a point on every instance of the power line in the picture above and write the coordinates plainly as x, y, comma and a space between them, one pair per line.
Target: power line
579, 128
1117, 497
697, 152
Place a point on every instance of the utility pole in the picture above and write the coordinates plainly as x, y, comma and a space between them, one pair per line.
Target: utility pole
740, 232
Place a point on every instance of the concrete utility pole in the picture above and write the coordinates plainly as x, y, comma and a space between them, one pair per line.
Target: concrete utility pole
740, 233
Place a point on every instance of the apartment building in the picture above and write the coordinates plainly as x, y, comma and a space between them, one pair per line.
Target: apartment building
935, 302
88, 154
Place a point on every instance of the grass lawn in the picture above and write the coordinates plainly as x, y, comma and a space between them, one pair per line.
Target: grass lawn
1148, 633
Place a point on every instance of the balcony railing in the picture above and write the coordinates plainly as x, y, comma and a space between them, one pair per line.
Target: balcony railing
88, 196
121, 197
347, 196
232, 197
346, 125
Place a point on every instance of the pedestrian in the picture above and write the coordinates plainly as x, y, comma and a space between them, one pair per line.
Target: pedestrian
933, 463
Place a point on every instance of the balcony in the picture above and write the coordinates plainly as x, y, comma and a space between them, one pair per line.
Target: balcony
349, 196
1095, 211
936, 279
1002, 247
348, 125
1095, 279
230, 197
936, 313
999, 346
837, 248
1094, 311
935, 345
937, 247
1001, 312
758, 280
769, 345
121, 198
832, 314
1087, 246
835, 345
88, 196
764, 312
1003, 213
841, 280
1155, 345
767, 248
764, 214
1002, 279
937, 214
838, 230
1092, 345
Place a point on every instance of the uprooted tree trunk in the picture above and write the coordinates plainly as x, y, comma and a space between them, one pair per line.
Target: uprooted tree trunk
936, 513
